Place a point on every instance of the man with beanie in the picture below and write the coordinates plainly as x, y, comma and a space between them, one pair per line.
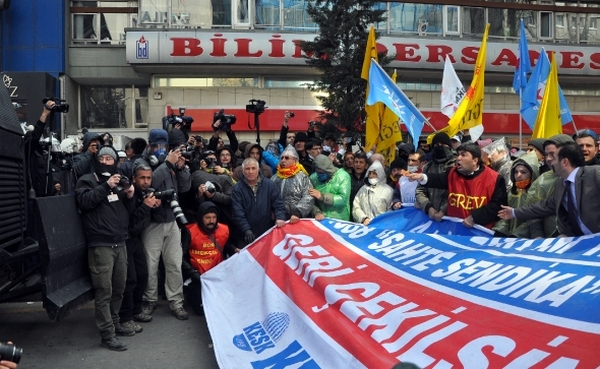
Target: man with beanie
404, 189
543, 187
300, 146
331, 190
293, 182
105, 210
162, 236
204, 247
397, 170
434, 201
537, 146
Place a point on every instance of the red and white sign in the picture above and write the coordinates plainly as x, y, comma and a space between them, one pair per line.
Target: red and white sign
203, 47
317, 295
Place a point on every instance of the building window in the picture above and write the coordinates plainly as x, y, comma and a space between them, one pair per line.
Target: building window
205, 82
546, 25
451, 20
113, 107
101, 22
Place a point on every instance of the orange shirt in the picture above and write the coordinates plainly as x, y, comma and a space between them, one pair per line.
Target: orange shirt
204, 254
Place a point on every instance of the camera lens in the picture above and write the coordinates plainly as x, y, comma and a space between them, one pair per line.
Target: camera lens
10, 352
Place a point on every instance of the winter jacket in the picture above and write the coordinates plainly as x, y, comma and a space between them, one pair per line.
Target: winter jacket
264, 168
435, 197
105, 223
370, 201
540, 189
294, 191
166, 177
83, 163
515, 227
335, 200
256, 212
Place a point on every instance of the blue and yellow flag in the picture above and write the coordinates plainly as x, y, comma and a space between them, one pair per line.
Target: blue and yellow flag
548, 122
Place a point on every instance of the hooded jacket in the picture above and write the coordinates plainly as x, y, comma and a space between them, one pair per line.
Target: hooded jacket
294, 191
264, 168
372, 200
200, 253
515, 227
335, 193
84, 163
504, 168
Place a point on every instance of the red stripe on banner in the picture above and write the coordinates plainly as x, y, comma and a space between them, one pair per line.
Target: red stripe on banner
382, 318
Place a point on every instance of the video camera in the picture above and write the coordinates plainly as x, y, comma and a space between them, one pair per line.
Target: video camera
172, 120
256, 106
226, 120
59, 105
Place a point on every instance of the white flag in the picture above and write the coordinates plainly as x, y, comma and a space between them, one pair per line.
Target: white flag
453, 90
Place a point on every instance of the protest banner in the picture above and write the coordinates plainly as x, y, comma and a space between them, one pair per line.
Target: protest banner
334, 294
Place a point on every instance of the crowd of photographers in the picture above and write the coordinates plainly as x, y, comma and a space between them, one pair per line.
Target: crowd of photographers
192, 203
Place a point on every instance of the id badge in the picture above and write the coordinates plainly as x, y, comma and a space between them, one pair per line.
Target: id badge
113, 197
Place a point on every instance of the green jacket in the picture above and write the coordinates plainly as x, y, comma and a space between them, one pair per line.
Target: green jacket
335, 199
516, 198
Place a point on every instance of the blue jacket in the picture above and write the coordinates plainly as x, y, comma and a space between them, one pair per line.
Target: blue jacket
256, 212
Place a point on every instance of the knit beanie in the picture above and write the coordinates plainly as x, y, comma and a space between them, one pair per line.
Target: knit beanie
108, 150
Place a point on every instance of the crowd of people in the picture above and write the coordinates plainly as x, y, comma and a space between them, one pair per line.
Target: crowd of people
192, 203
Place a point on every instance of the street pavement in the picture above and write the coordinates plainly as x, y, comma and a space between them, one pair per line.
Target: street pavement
74, 343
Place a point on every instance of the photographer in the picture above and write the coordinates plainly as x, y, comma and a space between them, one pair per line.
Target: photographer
137, 145
195, 148
162, 235
286, 137
137, 266
105, 210
37, 158
83, 162
214, 140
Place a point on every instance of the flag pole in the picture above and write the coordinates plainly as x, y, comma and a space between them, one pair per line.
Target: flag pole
520, 119
574, 126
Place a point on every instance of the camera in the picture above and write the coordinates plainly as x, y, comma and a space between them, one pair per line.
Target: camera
226, 120
183, 120
10, 352
59, 105
210, 163
210, 187
124, 182
292, 114
257, 107
187, 154
171, 197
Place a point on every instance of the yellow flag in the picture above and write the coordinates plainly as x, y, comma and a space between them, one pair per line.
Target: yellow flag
389, 133
548, 122
374, 112
470, 110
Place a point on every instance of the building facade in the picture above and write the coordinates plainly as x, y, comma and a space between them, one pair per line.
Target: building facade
124, 65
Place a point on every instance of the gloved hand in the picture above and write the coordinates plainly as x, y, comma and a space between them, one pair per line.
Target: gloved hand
249, 236
195, 277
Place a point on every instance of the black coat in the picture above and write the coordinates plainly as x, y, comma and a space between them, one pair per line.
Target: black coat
104, 223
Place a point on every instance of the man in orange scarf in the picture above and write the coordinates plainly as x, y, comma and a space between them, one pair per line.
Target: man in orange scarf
293, 182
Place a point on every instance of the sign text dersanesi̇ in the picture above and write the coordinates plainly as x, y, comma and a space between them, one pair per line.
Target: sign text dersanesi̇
198, 47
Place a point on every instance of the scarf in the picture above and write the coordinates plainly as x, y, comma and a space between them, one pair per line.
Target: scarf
290, 171
522, 185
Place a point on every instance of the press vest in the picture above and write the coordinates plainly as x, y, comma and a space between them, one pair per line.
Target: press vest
204, 254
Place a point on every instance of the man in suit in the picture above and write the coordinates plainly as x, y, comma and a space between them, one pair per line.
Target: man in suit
574, 200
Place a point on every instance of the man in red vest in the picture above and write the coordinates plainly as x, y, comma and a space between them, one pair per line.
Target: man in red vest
206, 247
475, 192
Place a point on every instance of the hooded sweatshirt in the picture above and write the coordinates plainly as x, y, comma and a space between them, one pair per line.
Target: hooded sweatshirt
335, 193
372, 200
84, 163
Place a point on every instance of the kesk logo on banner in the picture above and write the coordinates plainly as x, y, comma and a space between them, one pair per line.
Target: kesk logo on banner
334, 294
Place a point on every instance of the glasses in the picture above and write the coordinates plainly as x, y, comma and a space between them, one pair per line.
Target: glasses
287, 157
225, 154
585, 133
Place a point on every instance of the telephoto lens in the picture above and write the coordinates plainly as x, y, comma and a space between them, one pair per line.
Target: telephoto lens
10, 352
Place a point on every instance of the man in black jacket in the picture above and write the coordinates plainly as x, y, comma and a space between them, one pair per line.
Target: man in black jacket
105, 213
256, 204
137, 268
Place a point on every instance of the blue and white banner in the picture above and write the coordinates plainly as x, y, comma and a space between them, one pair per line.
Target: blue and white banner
335, 294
